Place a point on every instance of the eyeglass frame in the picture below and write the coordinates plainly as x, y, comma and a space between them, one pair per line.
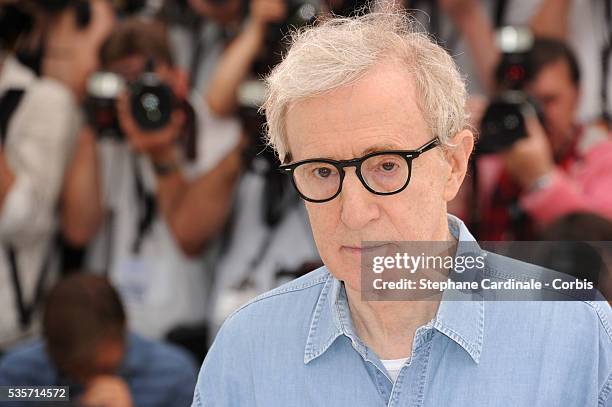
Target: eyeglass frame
340, 165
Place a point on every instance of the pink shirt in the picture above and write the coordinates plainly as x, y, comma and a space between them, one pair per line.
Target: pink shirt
585, 187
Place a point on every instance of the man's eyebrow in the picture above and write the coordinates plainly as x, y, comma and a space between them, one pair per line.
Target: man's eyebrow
380, 147
373, 149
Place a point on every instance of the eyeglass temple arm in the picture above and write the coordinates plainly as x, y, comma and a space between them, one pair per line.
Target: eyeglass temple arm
433, 143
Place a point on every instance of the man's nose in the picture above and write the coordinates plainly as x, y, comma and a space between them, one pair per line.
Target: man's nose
358, 204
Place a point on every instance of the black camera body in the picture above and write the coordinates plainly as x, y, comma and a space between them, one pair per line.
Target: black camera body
151, 102
503, 122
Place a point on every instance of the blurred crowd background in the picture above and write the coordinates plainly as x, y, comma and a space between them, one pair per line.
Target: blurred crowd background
140, 206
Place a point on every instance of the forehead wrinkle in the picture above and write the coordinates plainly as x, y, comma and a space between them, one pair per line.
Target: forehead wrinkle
358, 150
340, 119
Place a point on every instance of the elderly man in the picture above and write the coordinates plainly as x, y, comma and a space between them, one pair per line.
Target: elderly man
369, 119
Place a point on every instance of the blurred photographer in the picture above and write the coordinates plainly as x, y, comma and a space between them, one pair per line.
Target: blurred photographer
40, 117
586, 26
236, 61
257, 47
556, 166
199, 31
86, 346
151, 182
218, 41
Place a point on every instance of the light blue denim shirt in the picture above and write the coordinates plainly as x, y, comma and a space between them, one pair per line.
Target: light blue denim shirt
296, 346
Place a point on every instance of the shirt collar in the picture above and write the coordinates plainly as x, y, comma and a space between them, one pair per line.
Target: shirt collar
459, 318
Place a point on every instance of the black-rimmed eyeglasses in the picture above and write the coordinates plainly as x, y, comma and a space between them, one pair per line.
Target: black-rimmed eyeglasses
381, 173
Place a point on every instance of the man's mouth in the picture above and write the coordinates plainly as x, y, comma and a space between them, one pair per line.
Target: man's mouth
367, 249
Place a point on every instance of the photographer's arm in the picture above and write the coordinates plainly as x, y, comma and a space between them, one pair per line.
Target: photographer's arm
552, 19
235, 63
7, 178
233, 68
196, 211
560, 193
81, 199
564, 194
472, 21
549, 191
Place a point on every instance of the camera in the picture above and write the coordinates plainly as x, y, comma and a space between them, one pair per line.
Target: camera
151, 102
503, 122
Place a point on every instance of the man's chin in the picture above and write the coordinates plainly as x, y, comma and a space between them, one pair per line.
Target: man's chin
348, 272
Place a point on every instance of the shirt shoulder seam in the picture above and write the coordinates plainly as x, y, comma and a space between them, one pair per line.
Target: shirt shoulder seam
494, 272
283, 290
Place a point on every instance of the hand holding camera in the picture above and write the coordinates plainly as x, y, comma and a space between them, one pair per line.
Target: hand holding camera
145, 111
107, 391
530, 157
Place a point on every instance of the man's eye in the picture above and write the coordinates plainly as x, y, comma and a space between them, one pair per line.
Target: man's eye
388, 166
322, 172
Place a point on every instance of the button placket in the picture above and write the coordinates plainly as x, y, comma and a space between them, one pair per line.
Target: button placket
409, 387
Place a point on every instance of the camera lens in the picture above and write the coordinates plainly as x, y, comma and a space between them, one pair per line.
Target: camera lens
150, 103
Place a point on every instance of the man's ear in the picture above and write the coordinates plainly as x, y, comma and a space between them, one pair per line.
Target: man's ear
458, 156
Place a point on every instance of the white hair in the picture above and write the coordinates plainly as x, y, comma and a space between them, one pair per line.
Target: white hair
339, 51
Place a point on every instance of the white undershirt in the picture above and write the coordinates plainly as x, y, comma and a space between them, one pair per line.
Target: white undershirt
393, 366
